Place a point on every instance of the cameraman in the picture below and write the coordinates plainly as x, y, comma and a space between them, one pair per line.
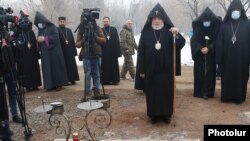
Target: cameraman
90, 53
5, 132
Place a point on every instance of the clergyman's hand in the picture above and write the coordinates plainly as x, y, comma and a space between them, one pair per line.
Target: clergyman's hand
4, 44
204, 50
40, 39
174, 30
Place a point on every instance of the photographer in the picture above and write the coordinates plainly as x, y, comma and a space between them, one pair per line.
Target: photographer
90, 38
5, 132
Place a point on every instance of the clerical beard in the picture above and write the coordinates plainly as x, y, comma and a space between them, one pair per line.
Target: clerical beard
157, 27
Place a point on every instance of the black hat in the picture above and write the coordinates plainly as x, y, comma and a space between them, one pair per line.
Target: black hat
62, 18
207, 14
158, 11
40, 18
235, 5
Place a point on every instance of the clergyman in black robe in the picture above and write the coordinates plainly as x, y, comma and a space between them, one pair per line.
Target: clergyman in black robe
205, 31
154, 72
69, 50
111, 51
53, 64
232, 54
29, 68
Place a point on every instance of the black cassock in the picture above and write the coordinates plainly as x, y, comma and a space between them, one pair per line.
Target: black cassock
234, 57
158, 68
157, 65
204, 65
111, 51
69, 52
29, 64
53, 64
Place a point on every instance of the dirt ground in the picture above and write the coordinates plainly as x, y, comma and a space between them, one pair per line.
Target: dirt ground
128, 110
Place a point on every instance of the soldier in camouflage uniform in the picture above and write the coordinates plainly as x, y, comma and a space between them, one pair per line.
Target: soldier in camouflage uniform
128, 46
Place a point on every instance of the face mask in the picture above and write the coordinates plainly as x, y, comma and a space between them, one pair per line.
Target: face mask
40, 25
206, 23
235, 14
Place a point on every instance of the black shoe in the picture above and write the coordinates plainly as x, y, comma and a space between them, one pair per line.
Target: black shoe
58, 88
83, 100
73, 82
153, 120
167, 120
51, 89
205, 97
17, 119
96, 92
35, 89
67, 84
28, 89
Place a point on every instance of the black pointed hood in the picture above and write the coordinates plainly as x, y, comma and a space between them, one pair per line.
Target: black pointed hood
235, 5
158, 11
207, 14
40, 18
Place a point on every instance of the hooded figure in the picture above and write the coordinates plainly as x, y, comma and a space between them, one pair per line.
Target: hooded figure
53, 65
232, 53
205, 28
154, 74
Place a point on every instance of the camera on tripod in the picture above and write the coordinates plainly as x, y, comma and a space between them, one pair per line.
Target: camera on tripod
90, 14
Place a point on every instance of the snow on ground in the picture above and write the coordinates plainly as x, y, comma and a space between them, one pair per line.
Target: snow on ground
186, 58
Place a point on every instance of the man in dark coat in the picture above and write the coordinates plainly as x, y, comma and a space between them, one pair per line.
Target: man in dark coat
205, 28
29, 65
69, 50
5, 132
232, 54
111, 51
155, 64
53, 65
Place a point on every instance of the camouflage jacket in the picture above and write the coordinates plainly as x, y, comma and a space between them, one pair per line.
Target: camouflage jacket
128, 44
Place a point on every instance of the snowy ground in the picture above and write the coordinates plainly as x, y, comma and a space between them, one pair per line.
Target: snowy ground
186, 58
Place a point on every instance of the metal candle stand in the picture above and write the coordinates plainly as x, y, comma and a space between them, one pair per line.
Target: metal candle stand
58, 118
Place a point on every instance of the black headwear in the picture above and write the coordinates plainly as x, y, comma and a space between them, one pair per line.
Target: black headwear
40, 18
235, 5
158, 11
62, 18
207, 14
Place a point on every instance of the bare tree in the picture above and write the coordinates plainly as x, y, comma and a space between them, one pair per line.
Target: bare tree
225, 3
193, 6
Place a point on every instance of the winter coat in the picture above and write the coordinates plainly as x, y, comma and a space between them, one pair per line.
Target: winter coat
85, 51
128, 44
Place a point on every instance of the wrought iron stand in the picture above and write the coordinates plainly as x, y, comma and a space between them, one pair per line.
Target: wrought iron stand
96, 111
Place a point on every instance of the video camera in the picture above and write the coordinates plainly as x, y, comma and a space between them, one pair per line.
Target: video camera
90, 14
89, 29
5, 19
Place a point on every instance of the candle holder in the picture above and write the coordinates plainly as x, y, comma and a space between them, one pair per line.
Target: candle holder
92, 124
